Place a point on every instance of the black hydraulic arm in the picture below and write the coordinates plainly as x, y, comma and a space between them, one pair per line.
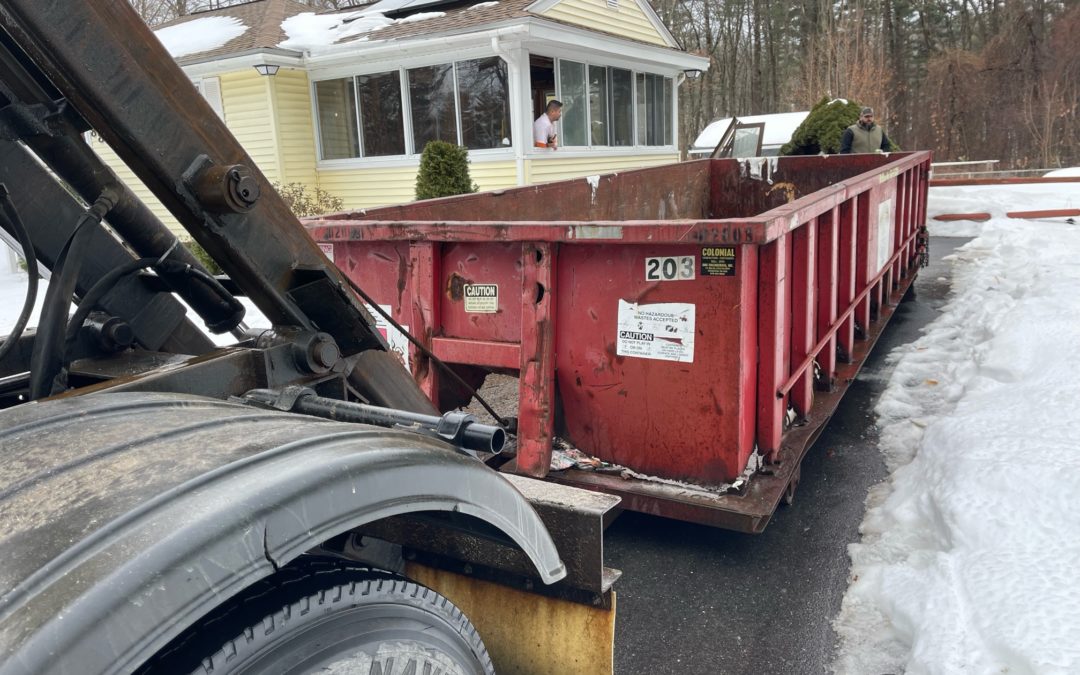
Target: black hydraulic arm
114, 73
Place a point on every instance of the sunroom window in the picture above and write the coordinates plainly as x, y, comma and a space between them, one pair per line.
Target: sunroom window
484, 102
466, 102
381, 116
336, 100
601, 104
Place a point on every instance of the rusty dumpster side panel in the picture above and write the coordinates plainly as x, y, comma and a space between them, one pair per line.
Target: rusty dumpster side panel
752, 308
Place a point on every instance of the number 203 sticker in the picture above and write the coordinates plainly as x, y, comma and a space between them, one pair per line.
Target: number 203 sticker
674, 268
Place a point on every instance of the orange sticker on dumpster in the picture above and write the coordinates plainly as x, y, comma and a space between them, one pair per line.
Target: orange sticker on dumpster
662, 331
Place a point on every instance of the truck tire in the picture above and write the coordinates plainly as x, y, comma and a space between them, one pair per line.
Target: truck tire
330, 619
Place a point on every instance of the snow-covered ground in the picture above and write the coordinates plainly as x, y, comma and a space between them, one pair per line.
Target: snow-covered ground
968, 558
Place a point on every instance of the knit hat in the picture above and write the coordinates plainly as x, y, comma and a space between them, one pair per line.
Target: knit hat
867, 111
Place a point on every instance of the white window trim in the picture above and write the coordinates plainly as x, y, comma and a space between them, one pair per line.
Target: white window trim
398, 161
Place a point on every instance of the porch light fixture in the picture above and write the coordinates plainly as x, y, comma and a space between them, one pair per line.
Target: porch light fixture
267, 69
691, 73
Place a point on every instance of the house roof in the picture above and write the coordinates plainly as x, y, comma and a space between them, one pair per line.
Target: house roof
264, 18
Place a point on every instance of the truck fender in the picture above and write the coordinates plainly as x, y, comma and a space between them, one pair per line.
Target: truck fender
132, 515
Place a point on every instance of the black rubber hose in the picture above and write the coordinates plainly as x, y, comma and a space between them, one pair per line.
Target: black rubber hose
11, 216
47, 360
165, 268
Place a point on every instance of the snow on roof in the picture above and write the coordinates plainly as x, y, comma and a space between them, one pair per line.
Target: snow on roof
779, 128
200, 35
422, 16
482, 5
310, 31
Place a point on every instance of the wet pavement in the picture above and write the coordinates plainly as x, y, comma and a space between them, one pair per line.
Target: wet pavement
698, 600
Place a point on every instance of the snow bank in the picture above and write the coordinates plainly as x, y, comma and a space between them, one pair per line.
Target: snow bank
200, 35
1070, 172
969, 550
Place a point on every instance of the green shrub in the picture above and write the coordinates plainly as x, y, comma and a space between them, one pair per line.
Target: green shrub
200, 253
305, 201
823, 128
444, 171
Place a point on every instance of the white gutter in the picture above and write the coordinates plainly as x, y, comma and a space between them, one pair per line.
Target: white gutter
243, 61
348, 52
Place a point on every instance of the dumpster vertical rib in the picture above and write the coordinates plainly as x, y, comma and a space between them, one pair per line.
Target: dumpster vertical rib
827, 289
536, 384
773, 338
424, 276
862, 256
803, 306
749, 299
846, 287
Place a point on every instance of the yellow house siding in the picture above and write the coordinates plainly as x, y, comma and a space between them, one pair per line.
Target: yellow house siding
494, 175
367, 188
628, 20
549, 170
295, 130
249, 116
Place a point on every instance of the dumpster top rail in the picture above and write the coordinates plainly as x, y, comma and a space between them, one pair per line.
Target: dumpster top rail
723, 201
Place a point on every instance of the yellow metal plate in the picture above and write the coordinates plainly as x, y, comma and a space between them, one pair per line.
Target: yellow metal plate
526, 633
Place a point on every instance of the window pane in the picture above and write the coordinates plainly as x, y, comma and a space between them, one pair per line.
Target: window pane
622, 107
380, 114
669, 118
598, 105
336, 102
642, 126
484, 96
574, 123
431, 94
746, 142
654, 105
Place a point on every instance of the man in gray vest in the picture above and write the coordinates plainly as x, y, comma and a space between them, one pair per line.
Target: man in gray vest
864, 136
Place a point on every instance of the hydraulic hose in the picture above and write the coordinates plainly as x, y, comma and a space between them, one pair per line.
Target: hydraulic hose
11, 216
47, 359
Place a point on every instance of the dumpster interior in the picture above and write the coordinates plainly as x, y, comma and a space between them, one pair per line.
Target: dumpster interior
705, 189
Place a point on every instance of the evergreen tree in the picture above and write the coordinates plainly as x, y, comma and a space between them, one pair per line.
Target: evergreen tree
444, 171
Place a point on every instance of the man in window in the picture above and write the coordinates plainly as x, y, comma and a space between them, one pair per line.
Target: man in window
544, 135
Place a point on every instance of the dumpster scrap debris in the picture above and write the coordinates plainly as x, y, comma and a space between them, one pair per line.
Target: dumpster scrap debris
565, 456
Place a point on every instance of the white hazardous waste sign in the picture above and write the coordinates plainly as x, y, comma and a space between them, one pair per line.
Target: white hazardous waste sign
663, 331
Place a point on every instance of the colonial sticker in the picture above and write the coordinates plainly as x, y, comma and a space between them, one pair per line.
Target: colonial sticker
482, 298
718, 261
327, 249
663, 331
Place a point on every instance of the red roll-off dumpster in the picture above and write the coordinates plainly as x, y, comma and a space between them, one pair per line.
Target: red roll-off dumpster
686, 320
